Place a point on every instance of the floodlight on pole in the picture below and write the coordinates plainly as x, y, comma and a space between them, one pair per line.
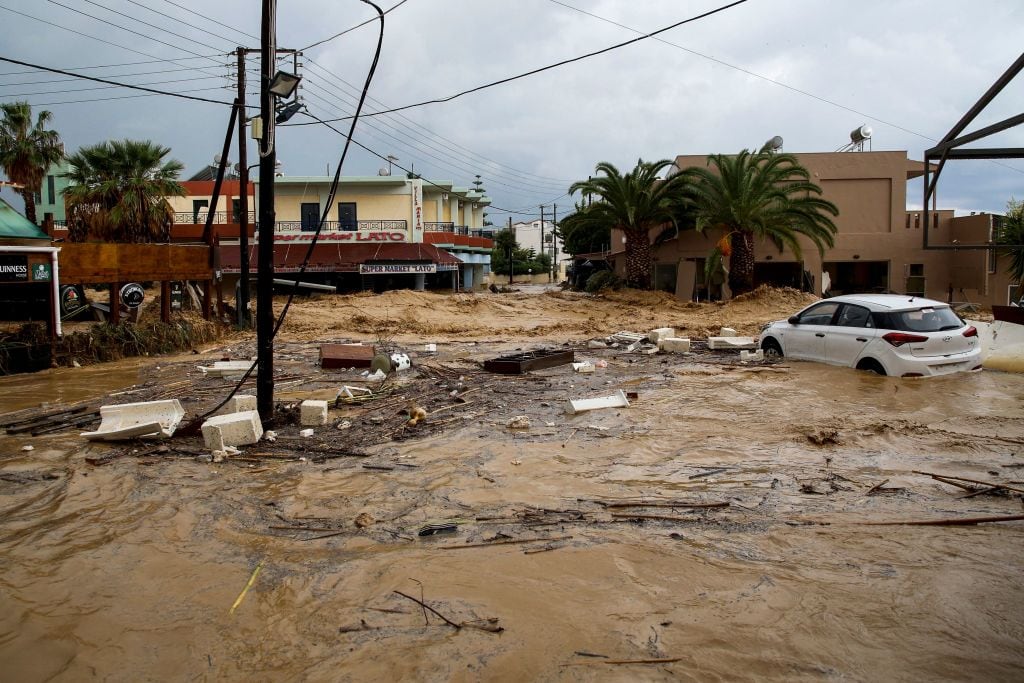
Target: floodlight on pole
284, 84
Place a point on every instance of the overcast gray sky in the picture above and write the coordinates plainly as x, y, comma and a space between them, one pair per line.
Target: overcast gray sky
909, 69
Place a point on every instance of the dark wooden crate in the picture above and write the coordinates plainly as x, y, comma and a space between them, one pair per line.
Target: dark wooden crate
334, 356
518, 363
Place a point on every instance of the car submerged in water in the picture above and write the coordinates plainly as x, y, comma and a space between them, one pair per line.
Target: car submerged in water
890, 334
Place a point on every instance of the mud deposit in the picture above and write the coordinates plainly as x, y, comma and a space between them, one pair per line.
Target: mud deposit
127, 569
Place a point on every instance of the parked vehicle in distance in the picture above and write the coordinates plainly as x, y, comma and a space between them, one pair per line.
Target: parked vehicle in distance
890, 334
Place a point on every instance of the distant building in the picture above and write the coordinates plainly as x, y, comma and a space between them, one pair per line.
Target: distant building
528, 236
879, 246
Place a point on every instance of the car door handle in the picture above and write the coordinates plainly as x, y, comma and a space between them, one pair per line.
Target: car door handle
819, 334
862, 339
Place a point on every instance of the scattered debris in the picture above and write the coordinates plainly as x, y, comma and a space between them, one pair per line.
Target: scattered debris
597, 344
339, 356
518, 422
416, 415
313, 413
823, 436
364, 519
584, 367
227, 368
616, 400
26, 449
233, 429
674, 344
747, 356
656, 335
519, 363
149, 419
731, 343
306, 433
435, 529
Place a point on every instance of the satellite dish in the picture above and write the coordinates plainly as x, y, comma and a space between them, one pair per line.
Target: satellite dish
384, 171
216, 158
860, 134
238, 168
775, 143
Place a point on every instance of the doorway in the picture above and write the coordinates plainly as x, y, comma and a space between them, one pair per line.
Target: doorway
310, 216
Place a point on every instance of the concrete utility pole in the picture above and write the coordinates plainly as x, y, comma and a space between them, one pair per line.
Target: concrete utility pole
267, 217
243, 197
542, 228
554, 243
511, 250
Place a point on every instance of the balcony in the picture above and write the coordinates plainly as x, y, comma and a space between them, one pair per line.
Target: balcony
219, 217
342, 226
458, 230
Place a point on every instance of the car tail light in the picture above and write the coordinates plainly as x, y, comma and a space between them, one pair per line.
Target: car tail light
971, 331
898, 339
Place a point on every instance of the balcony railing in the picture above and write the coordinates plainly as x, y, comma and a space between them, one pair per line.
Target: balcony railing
439, 227
458, 230
342, 226
219, 217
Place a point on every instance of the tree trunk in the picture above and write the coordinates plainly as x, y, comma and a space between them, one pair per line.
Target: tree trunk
638, 259
741, 263
30, 204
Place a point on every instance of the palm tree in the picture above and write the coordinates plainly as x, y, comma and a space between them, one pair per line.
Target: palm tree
119, 191
761, 195
1011, 232
27, 150
635, 203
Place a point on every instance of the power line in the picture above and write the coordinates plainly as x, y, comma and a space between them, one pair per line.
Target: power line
111, 66
106, 87
349, 30
181, 21
549, 66
110, 23
470, 153
108, 42
68, 80
123, 85
417, 146
108, 99
146, 23
203, 16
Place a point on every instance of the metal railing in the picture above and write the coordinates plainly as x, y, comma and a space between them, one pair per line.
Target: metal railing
219, 217
447, 226
458, 230
342, 226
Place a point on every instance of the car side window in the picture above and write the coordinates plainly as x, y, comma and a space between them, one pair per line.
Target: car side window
821, 314
855, 316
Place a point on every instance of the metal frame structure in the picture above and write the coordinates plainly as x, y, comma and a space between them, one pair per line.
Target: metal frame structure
949, 148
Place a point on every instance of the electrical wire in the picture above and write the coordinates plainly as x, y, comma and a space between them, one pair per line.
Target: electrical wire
105, 87
146, 23
181, 21
123, 85
108, 99
112, 66
349, 30
323, 218
533, 72
203, 16
105, 41
455, 147
69, 80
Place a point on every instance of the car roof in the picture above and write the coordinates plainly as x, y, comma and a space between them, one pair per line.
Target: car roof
888, 302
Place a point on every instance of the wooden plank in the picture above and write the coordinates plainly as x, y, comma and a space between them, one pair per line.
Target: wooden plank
519, 363
333, 356
116, 262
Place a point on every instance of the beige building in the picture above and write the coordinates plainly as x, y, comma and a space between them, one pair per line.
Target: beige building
879, 243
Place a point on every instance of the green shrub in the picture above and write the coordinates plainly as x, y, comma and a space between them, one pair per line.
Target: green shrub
603, 279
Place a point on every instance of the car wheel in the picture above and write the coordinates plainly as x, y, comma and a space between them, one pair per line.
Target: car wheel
871, 365
771, 348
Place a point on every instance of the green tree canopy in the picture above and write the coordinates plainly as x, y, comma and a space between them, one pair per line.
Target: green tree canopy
119, 191
27, 150
522, 261
1010, 231
761, 195
580, 235
635, 203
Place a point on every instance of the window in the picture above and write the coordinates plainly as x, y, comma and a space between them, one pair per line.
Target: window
50, 189
197, 206
821, 314
236, 210
915, 270
855, 316
347, 219
309, 215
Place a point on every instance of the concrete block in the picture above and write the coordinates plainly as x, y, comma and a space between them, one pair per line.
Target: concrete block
727, 332
233, 429
313, 413
241, 403
597, 344
752, 355
731, 343
660, 333
674, 344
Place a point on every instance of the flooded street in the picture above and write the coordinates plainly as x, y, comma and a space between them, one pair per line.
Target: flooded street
130, 570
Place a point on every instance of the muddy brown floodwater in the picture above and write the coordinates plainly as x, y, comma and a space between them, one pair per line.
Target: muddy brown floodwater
128, 570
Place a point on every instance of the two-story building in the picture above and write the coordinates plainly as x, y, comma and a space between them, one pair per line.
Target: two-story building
878, 244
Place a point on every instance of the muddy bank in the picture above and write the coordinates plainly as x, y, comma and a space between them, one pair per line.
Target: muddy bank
130, 568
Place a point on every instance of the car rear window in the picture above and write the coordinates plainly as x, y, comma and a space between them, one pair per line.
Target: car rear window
926, 319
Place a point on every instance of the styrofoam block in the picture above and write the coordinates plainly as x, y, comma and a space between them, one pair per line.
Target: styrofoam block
674, 344
727, 332
752, 355
313, 413
660, 333
597, 344
731, 343
232, 429
241, 403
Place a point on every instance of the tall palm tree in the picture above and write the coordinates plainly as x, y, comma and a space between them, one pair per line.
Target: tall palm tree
1011, 232
635, 203
762, 195
119, 191
27, 150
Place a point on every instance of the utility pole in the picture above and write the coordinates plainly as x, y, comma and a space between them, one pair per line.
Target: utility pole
542, 228
267, 217
511, 251
243, 197
554, 243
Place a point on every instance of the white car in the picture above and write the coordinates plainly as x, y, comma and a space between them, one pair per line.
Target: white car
891, 334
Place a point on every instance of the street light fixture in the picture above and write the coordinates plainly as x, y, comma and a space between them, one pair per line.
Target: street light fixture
284, 84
